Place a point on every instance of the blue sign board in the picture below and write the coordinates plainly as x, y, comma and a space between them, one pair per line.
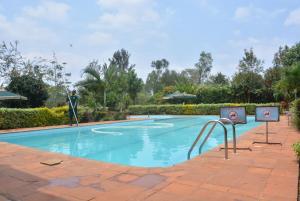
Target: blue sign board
267, 114
236, 114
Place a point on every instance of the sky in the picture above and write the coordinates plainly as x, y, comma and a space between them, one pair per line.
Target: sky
83, 30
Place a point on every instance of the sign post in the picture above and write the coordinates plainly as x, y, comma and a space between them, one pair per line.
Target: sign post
267, 114
237, 115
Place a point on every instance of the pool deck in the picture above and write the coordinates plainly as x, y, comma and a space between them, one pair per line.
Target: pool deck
267, 173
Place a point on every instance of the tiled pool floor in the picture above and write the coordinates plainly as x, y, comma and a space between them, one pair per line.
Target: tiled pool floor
268, 173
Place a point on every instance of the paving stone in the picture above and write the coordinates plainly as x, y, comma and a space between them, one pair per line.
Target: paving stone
267, 173
148, 181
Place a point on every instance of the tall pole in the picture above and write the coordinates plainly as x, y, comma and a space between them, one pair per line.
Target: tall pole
69, 98
73, 110
267, 132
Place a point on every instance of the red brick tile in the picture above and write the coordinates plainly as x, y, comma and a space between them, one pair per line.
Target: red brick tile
179, 189
268, 173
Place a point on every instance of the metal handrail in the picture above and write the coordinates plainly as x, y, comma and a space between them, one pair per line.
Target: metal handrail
228, 121
215, 122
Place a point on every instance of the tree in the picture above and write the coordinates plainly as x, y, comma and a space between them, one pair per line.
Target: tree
246, 85
250, 63
126, 82
291, 55
37, 67
154, 79
271, 77
289, 85
191, 74
286, 61
213, 94
153, 84
170, 77
187, 87
160, 65
204, 66
219, 79
31, 87
248, 82
278, 60
121, 60
135, 85
10, 61
94, 80
114, 84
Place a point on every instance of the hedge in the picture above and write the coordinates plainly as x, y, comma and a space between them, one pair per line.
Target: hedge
35, 117
200, 109
295, 109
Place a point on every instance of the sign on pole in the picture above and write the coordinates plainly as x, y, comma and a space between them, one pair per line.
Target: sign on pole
236, 114
267, 114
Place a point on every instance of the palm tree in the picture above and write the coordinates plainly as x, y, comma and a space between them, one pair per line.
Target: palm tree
94, 79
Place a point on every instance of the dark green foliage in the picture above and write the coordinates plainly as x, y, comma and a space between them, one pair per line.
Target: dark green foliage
31, 87
291, 55
289, 85
159, 65
295, 108
213, 94
272, 76
200, 109
278, 60
246, 85
121, 60
250, 63
219, 79
113, 85
135, 84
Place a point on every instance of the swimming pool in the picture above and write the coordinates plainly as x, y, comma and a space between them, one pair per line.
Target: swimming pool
158, 142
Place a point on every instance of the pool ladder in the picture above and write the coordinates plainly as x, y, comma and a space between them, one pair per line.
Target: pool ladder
214, 123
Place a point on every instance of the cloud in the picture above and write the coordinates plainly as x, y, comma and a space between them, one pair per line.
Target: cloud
121, 4
137, 21
125, 14
118, 20
21, 28
99, 38
293, 18
29, 25
264, 48
49, 10
244, 13
207, 6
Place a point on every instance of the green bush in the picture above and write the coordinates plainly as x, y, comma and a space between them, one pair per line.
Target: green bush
296, 147
35, 117
213, 94
22, 118
200, 109
295, 108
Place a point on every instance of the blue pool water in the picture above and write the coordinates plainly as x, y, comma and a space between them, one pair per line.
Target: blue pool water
159, 142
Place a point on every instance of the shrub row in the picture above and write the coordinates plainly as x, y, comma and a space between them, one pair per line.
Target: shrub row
199, 109
25, 118
295, 109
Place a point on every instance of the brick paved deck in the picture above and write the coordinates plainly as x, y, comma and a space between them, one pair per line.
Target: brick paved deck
268, 173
